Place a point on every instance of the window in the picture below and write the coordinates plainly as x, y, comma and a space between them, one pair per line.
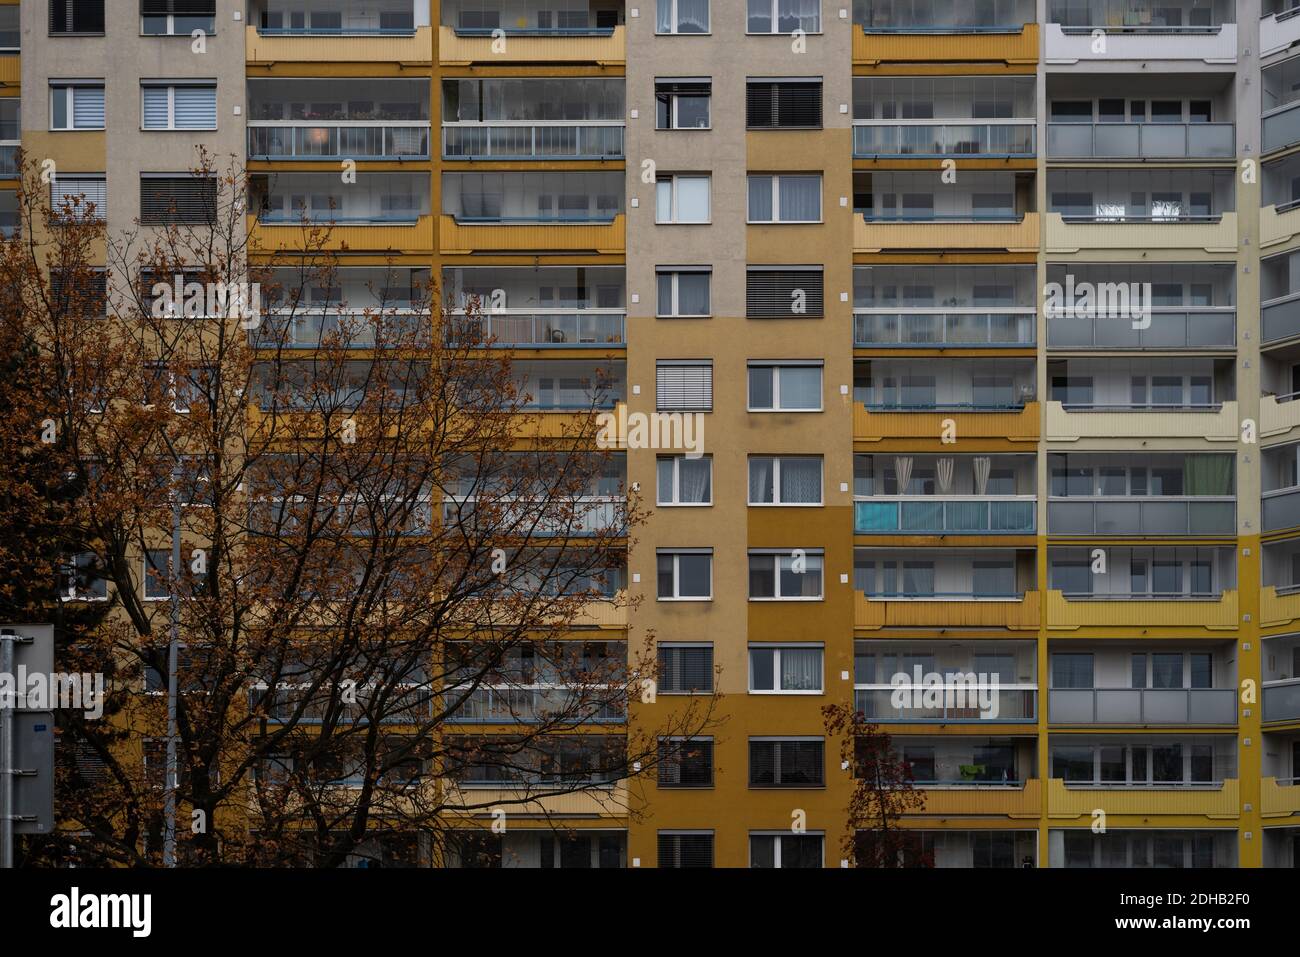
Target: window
684, 385
787, 762
685, 668
681, 199
785, 480
157, 573
167, 199
785, 850
785, 388
785, 669
683, 292
682, 103
82, 197
165, 18
10, 35
178, 106
685, 763
783, 103
79, 295
71, 17
1072, 671
790, 292
77, 106
84, 574
685, 848
784, 16
786, 198
685, 574
684, 481
681, 16
788, 576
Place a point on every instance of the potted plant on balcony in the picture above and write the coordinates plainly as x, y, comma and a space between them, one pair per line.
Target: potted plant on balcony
972, 772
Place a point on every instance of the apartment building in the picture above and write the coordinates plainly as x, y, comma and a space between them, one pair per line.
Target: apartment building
964, 297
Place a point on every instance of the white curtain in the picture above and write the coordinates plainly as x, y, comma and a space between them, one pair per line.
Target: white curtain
694, 475
801, 480
903, 472
982, 464
801, 669
760, 480
943, 472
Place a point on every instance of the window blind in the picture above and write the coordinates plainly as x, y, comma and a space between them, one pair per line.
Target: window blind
783, 104
684, 386
76, 16
685, 668
71, 189
685, 850
784, 294
190, 8
87, 107
177, 199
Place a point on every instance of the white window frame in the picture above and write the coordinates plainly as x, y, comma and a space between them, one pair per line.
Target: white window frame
774, 182
774, 32
776, 367
777, 835
674, 32
171, 28
67, 89
787, 554
82, 213
776, 667
170, 86
675, 492
676, 272
676, 554
776, 481
674, 212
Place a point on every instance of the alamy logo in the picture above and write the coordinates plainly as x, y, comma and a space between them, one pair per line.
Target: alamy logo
949, 690
133, 911
68, 691
208, 300
665, 431
1104, 300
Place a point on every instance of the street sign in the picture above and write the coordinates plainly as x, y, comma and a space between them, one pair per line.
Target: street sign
34, 780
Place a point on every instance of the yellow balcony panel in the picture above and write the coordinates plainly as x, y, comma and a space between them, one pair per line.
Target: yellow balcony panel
1152, 238
544, 424
603, 614
1278, 228
1277, 420
874, 237
606, 50
1009, 426
415, 48
11, 70
1276, 800
1021, 802
383, 237
599, 802
1020, 615
1220, 425
1218, 802
465, 238
870, 49
1211, 615
1278, 611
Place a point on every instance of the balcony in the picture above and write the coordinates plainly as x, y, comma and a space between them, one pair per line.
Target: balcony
1216, 423
1019, 613
1278, 224
1014, 425
889, 40
1278, 31
1178, 31
463, 237
1169, 329
1013, 139
337, 141
1219, 800
1213, 612
311, 328
934, 515
1132, 516
603, 46
1133, 141
1212, 234
923, 328
1281, 700
1281, 508
536, 801
1140, 707
531, 704
1014, 705
1279, 605
532, 141
331, 119
1279, 798
378, 45
961, 800
549, 330
404, 234
1019, 234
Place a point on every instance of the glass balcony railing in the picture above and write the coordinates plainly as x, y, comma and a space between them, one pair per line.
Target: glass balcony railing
351, 140
966, 329
1170, 328
513, 704
353, 330
947, 139
1015, 704
931, 515
1282, 700
1141, 140
8, 160
1140, 706
1135, 516
547, 328
1280, 318
532, 141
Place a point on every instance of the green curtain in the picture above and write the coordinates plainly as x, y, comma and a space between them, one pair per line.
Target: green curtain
1207, 475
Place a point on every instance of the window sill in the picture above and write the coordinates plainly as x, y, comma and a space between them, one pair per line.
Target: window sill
778, 598
683, 504
786, 504
710, 598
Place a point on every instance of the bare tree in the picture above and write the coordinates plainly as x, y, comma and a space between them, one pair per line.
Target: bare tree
392, 580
